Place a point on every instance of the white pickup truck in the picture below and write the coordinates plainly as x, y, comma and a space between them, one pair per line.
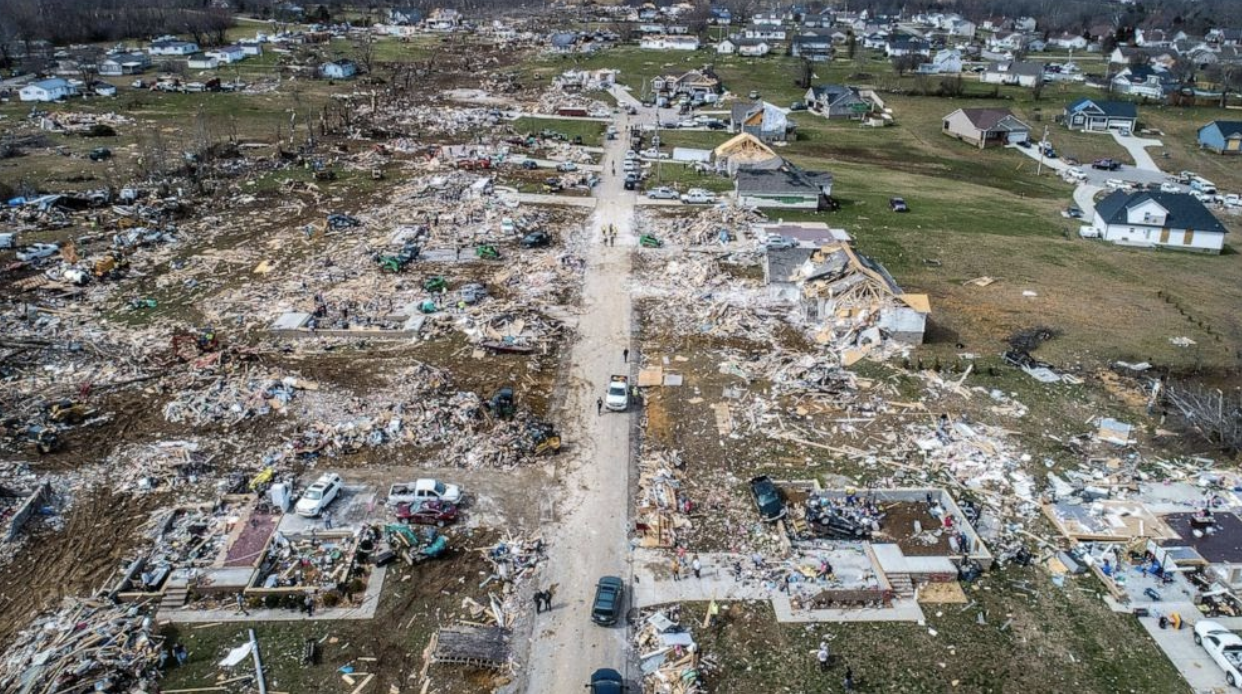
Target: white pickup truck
416, 492
618, 398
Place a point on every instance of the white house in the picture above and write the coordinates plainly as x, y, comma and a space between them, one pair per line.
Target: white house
339, 69
946, 61
202, 61
251, 46
1013, 72
46, 90
765, 32
1165, 220
173, 47
228, 55
443, 19
675, 43
753, 48
1068, 41
124, 64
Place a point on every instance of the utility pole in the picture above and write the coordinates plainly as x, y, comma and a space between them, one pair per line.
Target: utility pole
1043, 144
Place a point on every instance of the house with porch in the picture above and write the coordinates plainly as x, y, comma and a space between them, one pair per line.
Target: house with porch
985, 127
838, 101
785, 187
816, 48
1100, 116
117, 64
1158, 220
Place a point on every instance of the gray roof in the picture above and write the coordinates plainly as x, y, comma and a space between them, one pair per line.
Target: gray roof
831, 93
1112, 109
784, 262
1185, 212
785, 180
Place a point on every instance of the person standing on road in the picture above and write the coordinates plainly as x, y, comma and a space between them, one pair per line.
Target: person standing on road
697, 566
538, 601
599, 406
241, 604
625, 355
676, 569
310, 605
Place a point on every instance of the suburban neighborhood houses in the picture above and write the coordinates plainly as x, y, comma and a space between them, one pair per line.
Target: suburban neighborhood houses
660, 347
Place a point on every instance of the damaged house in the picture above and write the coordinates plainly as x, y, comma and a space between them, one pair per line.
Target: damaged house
696, 84
763, 120
846, 299
785, 187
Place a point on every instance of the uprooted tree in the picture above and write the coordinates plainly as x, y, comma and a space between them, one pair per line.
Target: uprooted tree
1214, 414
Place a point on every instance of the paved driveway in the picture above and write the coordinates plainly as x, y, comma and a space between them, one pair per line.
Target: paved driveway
1137, 147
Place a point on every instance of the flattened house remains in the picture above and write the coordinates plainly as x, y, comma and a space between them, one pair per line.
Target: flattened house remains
845, 299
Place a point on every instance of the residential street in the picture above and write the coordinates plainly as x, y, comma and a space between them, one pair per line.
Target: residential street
588, 537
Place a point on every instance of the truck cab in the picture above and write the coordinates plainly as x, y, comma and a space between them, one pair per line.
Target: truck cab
618, 398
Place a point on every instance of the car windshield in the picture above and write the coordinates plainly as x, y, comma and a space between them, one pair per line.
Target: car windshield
314, 494
440, 489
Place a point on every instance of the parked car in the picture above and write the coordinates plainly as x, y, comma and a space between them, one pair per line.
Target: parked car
698, 196
716, 125
100, 154
472, 293
1232, 200
319, 495
1223, 646
434, 512
35, 251
536, 239
754, 94
776, 243
425, 489
342, 221
1075, 173
1088, 231
687, 124
1073, 212
507, 226
1106, 164
797, 106
530, 164
1116, 184
566, 166
1167, 187
631, 165
767, 498
898, 205
631, 183
606, 681
662, 193
1024, 144
606, 607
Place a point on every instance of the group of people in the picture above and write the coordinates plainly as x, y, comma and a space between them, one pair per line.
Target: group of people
853, 517
675, 567
610, 235
543, 601
824, 657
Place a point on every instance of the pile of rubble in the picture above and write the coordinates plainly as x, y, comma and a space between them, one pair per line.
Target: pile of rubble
513, 560
85, 645
662, 507
76, 122
727, 222
668, 655
234, 397
554, 100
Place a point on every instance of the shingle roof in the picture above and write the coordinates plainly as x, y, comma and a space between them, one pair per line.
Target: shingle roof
988, 118
1185, 212
785, 180
1229, 128
1112, 109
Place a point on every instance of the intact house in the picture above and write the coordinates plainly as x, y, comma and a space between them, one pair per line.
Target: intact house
116, 64
753, 48
173, 47
693, 83
813, 47
898, 45
1013, 72
787, 187
838, 101
1158, 220
46, 90
202, 61
99, 88
763, 120
985, 127
765, 32
339, 69
1222, 136
228, 55
674, 43
1100, 116
947, 61
846, 299
1144, 80
1068, 41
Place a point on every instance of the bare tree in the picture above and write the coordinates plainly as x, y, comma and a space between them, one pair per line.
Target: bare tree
905, 63
364, 51
1210, 412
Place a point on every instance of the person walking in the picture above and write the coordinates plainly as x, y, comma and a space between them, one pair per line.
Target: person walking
625, 355
822, 655
599, 406
538, 601
180, 654
697, 567
547, 600
241, 604
676, 568
327, 520
310, 605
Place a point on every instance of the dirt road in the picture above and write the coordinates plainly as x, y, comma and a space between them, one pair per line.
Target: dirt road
589, 536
